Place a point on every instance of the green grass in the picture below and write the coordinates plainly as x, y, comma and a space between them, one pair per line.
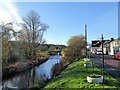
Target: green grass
74, 76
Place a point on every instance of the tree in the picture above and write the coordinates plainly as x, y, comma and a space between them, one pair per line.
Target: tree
7, 34
75, 49
33, 30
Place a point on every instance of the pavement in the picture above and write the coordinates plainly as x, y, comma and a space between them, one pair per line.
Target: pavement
111, 66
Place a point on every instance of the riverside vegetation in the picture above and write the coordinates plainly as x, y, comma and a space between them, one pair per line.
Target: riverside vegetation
22, 52
73, 52
28, 48
12, 69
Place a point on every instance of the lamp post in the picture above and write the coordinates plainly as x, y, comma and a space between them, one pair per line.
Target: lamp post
102, 59
86, 39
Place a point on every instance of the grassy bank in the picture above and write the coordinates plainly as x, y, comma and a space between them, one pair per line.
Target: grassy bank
74, 76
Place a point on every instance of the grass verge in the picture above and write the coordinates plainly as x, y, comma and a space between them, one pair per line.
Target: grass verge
74, 76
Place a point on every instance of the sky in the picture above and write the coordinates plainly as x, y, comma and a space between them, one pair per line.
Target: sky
66, 19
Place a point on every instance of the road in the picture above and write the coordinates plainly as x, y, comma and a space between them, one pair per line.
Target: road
111, 66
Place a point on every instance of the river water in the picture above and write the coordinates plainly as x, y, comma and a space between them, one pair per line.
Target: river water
23, 80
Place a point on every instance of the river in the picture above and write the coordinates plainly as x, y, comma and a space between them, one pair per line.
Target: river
23, 80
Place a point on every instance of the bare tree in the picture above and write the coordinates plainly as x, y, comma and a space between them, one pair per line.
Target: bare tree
7, 34
33, 30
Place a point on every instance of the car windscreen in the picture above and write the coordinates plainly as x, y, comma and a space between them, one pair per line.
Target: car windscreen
99, 51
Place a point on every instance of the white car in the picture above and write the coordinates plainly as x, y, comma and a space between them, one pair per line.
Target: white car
99, 52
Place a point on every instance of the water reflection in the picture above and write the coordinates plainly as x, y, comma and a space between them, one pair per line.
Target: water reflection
27, 78
17, 81
45, 68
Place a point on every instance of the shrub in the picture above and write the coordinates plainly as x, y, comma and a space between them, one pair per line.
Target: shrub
56, 70
13, 59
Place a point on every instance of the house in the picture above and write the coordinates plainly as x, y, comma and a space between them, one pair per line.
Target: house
109, 46
95, 45
106, 46
114, 46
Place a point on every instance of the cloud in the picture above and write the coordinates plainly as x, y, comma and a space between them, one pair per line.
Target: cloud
8, 12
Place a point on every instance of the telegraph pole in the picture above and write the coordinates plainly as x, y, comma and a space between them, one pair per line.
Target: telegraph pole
102, 59
86, 39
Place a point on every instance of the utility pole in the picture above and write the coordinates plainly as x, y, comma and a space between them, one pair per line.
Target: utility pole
102, 59
86, 39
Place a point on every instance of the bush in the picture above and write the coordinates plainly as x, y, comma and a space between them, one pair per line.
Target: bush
38, 84
13, 59
56, 70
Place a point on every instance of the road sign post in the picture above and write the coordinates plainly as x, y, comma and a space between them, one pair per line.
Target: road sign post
102, 59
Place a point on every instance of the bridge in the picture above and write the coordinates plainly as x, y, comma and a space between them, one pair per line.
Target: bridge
54, 52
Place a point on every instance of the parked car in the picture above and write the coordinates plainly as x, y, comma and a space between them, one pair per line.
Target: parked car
117, 55
94, 52
99, 51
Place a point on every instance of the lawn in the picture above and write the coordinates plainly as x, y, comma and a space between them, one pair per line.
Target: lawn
74, 76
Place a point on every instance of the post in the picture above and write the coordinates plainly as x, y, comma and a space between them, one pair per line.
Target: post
86, 39
102, 59
0, 58
89, 50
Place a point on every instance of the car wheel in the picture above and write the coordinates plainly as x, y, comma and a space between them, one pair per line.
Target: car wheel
118, 58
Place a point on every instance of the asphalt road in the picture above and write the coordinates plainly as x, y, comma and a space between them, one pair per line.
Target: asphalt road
106, 57
111, 65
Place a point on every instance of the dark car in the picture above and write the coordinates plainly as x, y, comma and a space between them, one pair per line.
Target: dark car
117, 55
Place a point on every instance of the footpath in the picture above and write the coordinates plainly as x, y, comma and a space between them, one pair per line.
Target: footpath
111, 67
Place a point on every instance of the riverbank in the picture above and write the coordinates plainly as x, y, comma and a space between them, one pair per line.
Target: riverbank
74, 76
11, 70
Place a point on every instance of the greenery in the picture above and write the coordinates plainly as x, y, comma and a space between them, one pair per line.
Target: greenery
56, 69
75, 48
29, 47
37, 84
73, 52
26, 40
74, 76
12, 69
94, 76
